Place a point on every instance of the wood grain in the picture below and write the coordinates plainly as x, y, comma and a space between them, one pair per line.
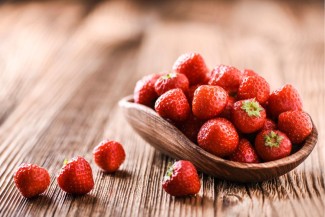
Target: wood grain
65, 65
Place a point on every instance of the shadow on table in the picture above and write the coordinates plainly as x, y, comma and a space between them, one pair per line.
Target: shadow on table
120, 174
40, 200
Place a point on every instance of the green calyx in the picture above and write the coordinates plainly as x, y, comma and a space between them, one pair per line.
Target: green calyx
169, 172
252, 108
169, 75
272, 139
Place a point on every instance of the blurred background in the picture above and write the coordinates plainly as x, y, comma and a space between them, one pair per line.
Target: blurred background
78, 37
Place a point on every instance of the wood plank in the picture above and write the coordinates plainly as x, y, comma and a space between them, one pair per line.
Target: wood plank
65, 77
25, 59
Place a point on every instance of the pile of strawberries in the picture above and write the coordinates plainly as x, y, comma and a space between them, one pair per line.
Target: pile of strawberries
230, 113
75, 177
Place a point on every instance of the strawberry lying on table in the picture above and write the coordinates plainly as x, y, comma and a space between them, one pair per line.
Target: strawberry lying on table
31, 180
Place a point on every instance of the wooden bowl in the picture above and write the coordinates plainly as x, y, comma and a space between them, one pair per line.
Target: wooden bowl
168, 139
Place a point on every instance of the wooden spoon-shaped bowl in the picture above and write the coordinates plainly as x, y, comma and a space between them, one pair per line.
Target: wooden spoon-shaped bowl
168, 139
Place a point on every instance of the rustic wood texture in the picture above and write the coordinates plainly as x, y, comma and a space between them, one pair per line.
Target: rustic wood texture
166, 138
65, 65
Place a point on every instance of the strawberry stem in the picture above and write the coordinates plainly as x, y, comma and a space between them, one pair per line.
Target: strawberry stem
252, 108
273, 139
169, 172
169, 75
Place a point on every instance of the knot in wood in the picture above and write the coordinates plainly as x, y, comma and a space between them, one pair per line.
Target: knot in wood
231, 199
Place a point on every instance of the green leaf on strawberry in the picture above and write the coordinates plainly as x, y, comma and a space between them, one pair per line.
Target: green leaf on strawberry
273, 139
169, 171
169, 75
252, 108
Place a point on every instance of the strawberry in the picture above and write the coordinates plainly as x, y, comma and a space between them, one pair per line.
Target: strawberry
191, 127
31, 180
144, 91
209, 101
190, 93
226, 112
193, 66
272, 145
248, 72
267, 110
173, 105
244, 153
284, 99
227, 77
109, 155
248, 115
218, 136
76, 177
171, 81
269, 125
254, 87
296, 125
181, 179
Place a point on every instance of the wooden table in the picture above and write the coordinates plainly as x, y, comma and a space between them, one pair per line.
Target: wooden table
65, 65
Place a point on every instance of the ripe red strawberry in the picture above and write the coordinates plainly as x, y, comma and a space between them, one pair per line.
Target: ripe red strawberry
226, 112
190, 93
181, 179
248, 115
144, 91
209, 101
171, 81
193, 66
191, 127
76, 177
267, 109
227, 77
284, 99
248, 72
218, 136
296, 125
109, 155
254, 87
269, 125
244, 153
31, 180
173, 105
272, 145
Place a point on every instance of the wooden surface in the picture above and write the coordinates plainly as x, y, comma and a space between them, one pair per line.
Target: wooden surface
65, 65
